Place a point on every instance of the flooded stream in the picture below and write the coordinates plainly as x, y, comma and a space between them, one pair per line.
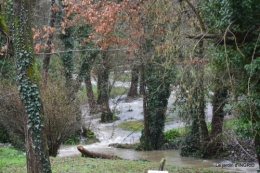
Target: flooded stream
172, 157
129, 111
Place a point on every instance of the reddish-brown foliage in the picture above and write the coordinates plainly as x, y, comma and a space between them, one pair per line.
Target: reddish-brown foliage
106, 18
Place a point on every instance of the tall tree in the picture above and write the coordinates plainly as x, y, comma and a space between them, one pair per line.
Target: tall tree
134, 83
28, 79
47, 56
106, 115
157, 71
88, 60
199, 140
235, 27
218, 103
199, 63
68, 56
102, 17
6, 63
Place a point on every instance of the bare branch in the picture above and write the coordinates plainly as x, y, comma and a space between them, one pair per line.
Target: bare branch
82, 50
205, 36
203, 28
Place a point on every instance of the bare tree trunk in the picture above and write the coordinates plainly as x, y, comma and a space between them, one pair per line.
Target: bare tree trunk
134, 83
146, 132
31, 160
99, 87
141, 79
146, 123
84, 72
93, 107
46, 60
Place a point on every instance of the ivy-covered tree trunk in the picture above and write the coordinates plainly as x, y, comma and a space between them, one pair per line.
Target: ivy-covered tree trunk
191, 143
201, 94
219, 101
157, 94
67, 57
134, 83
239, 51
106, 115
28, 79
156, 75
192, 108
202, 116
201, 106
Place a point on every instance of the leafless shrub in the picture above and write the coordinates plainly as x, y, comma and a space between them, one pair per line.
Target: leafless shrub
61, 114
12, 114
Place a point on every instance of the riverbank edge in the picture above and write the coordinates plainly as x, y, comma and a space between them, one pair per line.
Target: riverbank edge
236, 149
77, 164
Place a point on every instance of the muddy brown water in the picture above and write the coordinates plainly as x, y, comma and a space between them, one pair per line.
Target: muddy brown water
172, 157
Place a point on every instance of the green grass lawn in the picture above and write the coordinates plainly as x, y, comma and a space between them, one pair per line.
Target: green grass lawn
13, 161
131, 125
137, 126
124, 77
115, 91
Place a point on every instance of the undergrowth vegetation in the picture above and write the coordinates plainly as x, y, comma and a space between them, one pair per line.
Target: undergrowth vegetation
62, 116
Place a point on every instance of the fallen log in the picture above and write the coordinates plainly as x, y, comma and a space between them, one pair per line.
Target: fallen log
91, 154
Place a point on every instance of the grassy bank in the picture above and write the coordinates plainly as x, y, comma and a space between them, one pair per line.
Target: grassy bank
14, 161
137, 126
115, 91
